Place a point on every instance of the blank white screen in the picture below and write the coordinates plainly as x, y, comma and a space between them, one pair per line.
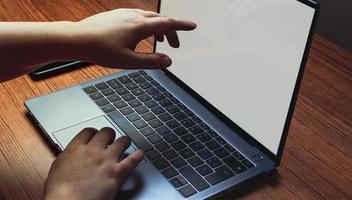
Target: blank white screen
243, 58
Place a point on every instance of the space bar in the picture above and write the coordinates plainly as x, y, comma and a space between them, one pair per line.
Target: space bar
129, 130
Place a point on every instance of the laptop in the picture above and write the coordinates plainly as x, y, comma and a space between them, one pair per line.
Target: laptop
217, 117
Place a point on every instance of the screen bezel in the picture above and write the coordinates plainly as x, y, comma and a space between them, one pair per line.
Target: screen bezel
275, 157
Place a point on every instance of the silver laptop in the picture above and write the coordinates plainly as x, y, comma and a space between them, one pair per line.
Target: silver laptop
217, 117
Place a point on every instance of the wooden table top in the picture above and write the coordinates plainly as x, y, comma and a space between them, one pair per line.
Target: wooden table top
317, 162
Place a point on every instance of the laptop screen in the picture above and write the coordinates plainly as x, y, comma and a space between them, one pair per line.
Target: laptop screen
243, 58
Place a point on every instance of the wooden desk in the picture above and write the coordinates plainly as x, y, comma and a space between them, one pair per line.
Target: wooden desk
317, 163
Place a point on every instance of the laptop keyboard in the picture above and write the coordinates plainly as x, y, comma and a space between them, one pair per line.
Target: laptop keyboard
189, 153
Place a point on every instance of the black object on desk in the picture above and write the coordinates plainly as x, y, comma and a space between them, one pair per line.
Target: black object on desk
56, 68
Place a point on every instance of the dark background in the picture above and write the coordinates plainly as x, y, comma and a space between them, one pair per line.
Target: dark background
335, 22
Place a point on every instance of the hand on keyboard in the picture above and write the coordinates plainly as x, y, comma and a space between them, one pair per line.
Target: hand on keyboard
111, 37
89, 167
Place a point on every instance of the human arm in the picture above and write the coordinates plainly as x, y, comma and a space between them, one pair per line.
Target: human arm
106, 39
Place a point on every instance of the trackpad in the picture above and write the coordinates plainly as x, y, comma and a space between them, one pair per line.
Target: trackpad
64, 136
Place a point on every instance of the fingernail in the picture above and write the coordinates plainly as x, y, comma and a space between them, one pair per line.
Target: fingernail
194, 24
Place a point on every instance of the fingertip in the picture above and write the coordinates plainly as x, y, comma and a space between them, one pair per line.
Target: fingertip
166, 61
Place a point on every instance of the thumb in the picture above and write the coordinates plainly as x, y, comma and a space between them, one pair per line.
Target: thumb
148, 60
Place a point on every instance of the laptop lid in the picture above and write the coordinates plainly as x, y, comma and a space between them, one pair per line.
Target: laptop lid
244, 62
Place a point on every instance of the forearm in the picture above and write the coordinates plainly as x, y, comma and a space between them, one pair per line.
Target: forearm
26, 45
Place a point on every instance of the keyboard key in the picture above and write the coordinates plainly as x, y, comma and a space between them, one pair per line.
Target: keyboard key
114, 84
180, 116
114, 97
170, 172
128, 97
155, 138
172, 109
170, 138
155, 123
174, 100
158, 97
96, 95
138, 92
247, 163
139, 79
151, 104
149, 78
140, 124
180, 131
141, 110
161, 163
160, 88
222, 173
186, 153
152, 91
178, 162
212, 144
168, 95
205, 154
221, 152
196, 119
165, 117
172, 124
229, 147
133, 117
238, 155
134, 103
195, 130
122, 91
145, 85
204, 170
170, 154
204, 126
212, 133
133, 75
153, 82
108, 91
195, 161
188, 138
158, 110
102, 86
181, 106
178, 145
147, 131
162, 146
144, 97
204, 137
90, 89
142, 72
102, 101
108, 108
126, 110
234, 164
194, 178
220, 140
187, 190
153, 154
120, 104
178, 181
148, 116
188, 112
165, 103
196, 146
124, 79
213, 162
187, 123
129, 130
163, 130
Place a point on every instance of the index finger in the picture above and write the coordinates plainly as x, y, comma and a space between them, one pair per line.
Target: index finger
163, 25
83, 137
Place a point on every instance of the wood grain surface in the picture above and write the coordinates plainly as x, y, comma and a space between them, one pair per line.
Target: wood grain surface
317, 162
